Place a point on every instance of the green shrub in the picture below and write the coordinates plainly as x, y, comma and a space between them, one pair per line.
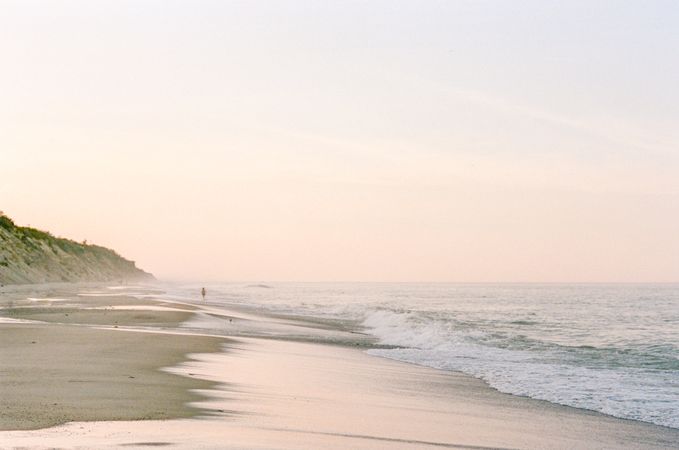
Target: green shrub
36, 234
6, 223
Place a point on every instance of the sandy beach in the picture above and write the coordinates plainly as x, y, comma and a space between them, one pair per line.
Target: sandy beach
57, 367
84, 370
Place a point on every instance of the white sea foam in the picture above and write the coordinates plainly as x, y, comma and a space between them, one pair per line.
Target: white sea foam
46, 300
634, 393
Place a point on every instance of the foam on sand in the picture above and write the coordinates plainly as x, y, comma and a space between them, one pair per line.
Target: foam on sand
11, 320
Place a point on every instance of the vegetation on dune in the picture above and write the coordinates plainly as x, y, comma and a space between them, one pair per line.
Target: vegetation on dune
29, 255
6, 222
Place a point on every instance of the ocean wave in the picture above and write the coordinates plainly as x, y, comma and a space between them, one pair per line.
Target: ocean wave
630, 383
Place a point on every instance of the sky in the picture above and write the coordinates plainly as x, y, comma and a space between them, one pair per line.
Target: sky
468, 141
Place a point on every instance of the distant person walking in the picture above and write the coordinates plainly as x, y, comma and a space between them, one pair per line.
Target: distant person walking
202, 292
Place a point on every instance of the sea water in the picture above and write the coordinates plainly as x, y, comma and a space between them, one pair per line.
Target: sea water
612, 348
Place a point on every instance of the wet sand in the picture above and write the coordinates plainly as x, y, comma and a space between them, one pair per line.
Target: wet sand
262, 393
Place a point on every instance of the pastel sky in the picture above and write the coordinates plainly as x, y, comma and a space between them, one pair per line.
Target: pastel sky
349, 140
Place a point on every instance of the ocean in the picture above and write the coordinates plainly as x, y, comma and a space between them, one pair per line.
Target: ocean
612, 348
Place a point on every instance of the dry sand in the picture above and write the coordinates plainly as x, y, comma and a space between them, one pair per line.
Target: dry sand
62, 371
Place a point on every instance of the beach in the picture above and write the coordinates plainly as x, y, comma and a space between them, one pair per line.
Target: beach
342, 225
93, 367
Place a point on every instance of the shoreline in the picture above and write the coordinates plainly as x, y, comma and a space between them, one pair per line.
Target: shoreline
230, 388
326, 396
533, 399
